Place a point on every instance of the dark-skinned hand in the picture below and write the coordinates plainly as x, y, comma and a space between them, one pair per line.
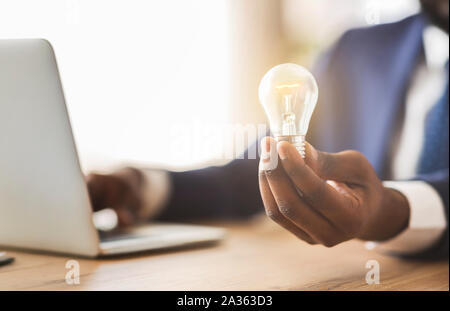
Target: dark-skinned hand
120, 191
328, 198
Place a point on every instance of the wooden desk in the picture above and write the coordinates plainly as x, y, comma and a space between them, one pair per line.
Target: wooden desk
253, 257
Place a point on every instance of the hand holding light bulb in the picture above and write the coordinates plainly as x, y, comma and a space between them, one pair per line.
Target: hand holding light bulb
322, 198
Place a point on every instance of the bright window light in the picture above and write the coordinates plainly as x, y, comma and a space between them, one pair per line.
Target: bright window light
132, 70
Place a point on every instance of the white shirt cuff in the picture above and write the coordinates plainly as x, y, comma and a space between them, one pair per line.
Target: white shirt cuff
155, 192
426, 221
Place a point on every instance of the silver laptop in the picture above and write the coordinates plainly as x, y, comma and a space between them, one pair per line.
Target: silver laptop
44, 203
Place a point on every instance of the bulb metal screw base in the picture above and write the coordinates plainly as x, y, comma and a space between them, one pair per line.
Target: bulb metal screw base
298, 141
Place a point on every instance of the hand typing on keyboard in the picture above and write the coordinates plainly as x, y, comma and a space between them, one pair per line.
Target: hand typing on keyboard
121, 191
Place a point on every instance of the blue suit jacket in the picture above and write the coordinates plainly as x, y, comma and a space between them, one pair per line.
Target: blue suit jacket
363, 81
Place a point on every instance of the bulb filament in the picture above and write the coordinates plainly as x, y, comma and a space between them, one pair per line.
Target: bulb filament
287, 91
288, 117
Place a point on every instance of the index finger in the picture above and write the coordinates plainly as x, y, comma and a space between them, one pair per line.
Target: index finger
315, 190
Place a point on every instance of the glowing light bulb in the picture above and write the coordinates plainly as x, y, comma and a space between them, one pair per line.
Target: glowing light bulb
288, 93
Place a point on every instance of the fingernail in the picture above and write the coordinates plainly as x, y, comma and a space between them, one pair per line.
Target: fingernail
264, 166
268, 165
282, 151
265, 149
265, 156
268, 159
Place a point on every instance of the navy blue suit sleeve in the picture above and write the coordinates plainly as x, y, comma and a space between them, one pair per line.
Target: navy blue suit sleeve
223, 192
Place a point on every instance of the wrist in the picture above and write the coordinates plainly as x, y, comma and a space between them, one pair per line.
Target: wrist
392, 216
155, 192
399, 210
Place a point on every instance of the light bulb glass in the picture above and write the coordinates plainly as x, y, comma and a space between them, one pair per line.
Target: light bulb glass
288, 93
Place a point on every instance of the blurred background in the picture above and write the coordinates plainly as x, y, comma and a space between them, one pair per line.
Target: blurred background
149, 82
